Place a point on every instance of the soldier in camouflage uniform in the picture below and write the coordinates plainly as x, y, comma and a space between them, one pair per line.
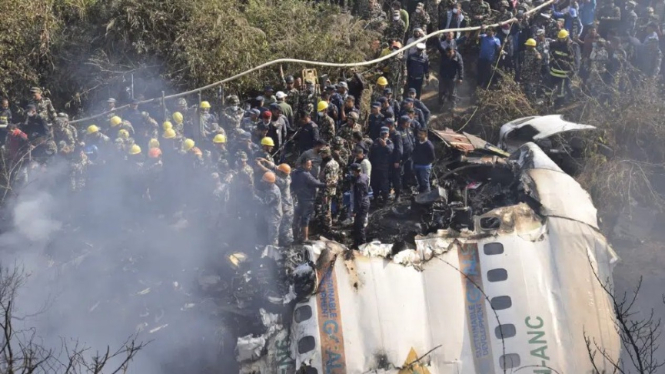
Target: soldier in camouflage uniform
232, 115
78, 163
504, 12
325, 122
432, 9
419, 19
375, 16
329, 175
397, 74
341, 147
396, 28
307, 100
44, 107
351, 126
64, 133
292, 93
530, 69
479, 12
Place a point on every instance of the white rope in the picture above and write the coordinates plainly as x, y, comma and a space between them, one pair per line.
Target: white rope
316, 63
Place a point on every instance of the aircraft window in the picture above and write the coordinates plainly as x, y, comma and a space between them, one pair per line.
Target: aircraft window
306, 344
509, 361
493, 248
497, 275
505, 331
501, 302
303, 313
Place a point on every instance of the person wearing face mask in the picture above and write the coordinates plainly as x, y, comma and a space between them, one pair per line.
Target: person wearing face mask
232, 114
453, 18
419, 18
396, 28
326, 124
417, 67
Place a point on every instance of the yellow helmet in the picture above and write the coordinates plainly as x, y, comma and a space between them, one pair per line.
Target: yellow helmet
267, 141
169, 134
167, 125
115, 121
123, 134
219, 139
153, 143
177, 117
134, 149
321, 106
531, 42
204, 105
382, 81
563, 34
92, 129
188, 144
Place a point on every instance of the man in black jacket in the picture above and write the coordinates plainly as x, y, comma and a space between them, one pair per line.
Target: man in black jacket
451, 73
308, 133
380, 156
396, 157
304, 187
423, 157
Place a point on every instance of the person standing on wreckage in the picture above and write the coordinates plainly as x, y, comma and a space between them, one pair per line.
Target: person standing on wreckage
271, 199
360, 202
380, 156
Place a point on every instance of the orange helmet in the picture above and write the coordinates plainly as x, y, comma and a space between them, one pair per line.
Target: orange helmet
269, 177
284, 168
395, 45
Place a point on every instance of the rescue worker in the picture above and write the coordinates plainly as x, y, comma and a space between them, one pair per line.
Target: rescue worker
377, 92
285, 108
313, 155
43, 106
5, 119
219, 154
351, 126
308, 99
193, 153
418, 104
308, 133
419, 19
479, 12
271, 198
360, 199
63, 134
292, 93
232, 115
304, 187
530, 69
326, 124
380, 156
417, 67
340, 147
283, 181
330, 177
562, 65
423, 157
451, 74
95, 137
408, 142
178, 125
39, 134
396, 28
490, 46
375, 121
396, 157
267, 145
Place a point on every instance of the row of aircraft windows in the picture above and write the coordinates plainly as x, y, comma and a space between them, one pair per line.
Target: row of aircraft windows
506, 330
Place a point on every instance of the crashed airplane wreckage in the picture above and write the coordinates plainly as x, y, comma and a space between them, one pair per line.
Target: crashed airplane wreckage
506, 277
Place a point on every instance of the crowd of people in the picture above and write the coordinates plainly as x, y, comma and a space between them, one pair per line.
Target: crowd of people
309, 152
543, 50
290, 157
